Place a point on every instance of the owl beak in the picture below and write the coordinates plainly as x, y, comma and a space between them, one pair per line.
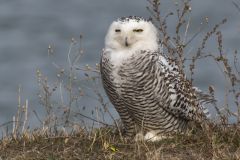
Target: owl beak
126, 42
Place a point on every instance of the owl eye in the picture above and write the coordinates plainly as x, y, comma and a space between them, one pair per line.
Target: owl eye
138, 30
117, 30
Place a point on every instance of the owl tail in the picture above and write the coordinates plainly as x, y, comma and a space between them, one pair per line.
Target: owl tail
204, 99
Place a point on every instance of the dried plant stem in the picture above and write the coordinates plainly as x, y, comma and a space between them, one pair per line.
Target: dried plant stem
25, 109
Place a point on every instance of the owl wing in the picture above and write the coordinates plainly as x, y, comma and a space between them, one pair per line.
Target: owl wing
182, 100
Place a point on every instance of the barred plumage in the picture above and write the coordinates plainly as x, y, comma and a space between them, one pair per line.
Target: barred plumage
146, 88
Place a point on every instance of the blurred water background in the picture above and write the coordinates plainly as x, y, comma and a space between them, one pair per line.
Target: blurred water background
28, 27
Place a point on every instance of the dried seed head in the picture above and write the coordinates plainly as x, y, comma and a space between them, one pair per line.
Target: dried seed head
211, 89
206, 20
188, 7
62, 71
50, 49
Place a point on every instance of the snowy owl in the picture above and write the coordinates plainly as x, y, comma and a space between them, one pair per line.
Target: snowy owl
147, 90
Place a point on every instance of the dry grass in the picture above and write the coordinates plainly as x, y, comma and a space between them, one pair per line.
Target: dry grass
65, 134
103, 143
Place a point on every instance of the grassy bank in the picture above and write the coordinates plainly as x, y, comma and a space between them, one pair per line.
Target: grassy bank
104, 144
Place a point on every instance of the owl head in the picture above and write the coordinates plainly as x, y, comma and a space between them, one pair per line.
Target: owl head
131, 33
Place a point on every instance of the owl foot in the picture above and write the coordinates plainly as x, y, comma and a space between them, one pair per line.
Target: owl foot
152, 136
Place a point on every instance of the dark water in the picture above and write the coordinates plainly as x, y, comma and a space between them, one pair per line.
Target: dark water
27, 27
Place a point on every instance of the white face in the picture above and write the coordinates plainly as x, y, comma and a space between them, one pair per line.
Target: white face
131, 34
